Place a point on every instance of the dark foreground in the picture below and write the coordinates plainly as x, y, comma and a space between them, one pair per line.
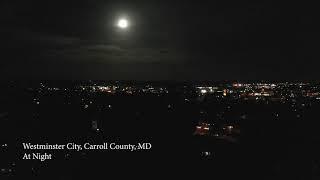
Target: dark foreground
191, 132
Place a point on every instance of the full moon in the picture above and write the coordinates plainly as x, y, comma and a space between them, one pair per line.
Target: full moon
123, 23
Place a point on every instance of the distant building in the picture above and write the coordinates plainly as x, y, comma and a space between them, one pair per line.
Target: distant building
202, 129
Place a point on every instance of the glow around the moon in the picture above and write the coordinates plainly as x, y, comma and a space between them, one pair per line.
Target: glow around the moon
123, 23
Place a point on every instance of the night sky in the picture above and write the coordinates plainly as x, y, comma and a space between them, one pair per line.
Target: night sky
166, 40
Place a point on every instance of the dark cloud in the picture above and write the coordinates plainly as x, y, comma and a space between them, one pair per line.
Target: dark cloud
54, 56
169, 39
